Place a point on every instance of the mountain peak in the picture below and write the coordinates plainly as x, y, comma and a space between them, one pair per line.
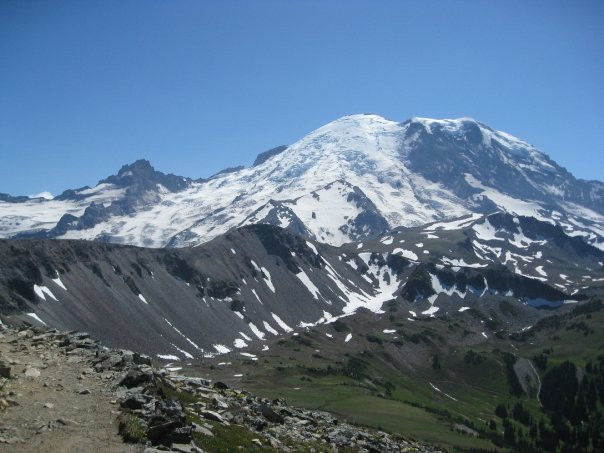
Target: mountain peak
140, 176
140, 166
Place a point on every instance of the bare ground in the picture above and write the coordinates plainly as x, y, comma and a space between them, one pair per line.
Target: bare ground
54, 402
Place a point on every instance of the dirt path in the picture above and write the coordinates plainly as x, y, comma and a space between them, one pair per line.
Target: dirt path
54, 402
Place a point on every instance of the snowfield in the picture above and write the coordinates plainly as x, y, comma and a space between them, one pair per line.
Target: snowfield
350, 179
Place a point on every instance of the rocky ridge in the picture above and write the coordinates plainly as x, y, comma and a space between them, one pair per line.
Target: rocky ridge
92, 392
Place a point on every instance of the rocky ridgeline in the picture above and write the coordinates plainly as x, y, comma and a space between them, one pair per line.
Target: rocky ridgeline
158, 410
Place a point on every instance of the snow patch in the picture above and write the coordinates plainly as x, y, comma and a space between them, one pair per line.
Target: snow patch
36, 317
281, 324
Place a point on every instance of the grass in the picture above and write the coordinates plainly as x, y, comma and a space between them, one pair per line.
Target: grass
413, 408
131, 428
355, 403
232, 438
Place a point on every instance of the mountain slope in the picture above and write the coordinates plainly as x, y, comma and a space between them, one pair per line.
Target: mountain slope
260, 281
354, 178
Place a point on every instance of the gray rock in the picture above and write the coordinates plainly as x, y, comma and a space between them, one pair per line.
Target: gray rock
31, 372
186, 448
219, 403
211, 415
135, 378
271, 415
135, 401
202, 430
4, 370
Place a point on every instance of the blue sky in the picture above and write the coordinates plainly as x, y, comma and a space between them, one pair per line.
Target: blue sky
196, 86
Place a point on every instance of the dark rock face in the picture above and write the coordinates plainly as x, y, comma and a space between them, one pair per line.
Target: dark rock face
418, 285
171, 301
141, 176
141, 183
228, 170
266, 155
498, 280
445, 157
11, 199
277, 211
278, 242
539, 230
4, 370
369, 223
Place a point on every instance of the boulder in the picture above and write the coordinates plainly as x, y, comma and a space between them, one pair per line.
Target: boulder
4, 370
271, 415
134, 378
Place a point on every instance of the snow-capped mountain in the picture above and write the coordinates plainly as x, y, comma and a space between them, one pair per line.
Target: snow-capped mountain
355, 178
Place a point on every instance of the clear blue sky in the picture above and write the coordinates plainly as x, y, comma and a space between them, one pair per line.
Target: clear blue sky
196, 86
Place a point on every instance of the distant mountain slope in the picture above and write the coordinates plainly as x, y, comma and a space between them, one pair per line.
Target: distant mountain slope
261, 281
355, 178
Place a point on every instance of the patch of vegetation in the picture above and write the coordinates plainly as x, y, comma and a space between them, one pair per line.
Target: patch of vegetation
374, 339
508, 308
473, 358
96, 270
137, 269
340, 326
302, 340
227, 439
355, 368
184, 398
131, 428
436, 363
180, 268
129, 281
540, 360
509, 360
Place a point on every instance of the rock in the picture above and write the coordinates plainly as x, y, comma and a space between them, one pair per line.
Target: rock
49, 405
211, 415
31, 372
134, 378
220, 385
181, 435
135, 401
4, 370
186, 448
170, 408
25, 334
158, 431
141, 359
258, 423
271, 415
80, 335
10, 440
257, 442
202, 430
219, 403
84, 392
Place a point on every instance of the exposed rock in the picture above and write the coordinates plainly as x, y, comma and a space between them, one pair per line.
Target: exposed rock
31, 372
4, 370
135, 378
271, 415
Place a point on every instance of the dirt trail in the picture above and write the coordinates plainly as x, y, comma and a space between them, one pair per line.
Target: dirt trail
54, 402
